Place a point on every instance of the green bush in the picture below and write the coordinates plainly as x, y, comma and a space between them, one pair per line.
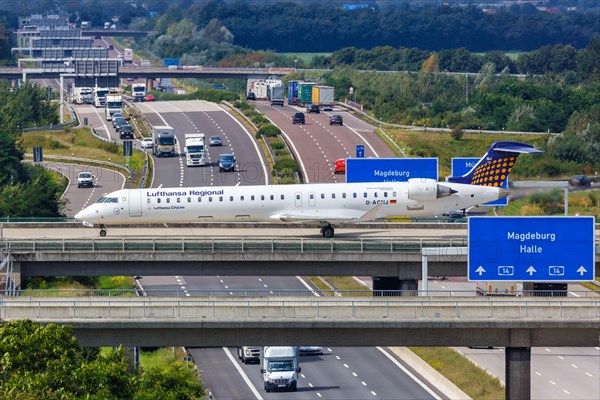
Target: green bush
269, 130
286, 163
277, 144
287, 180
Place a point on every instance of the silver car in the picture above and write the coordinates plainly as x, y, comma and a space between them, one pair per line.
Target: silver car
215, 141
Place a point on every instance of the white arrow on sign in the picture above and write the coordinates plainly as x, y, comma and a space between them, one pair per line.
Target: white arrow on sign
480, 270
531, 270
581, 270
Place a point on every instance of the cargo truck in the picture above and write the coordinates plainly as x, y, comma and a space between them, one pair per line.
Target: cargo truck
293, 92
305, 93
82, 95
248, 354
138, 91
275, 95
279, 367
323, 96
100, 96
491, 288
195, 149
164, 141
127, 55
114, 104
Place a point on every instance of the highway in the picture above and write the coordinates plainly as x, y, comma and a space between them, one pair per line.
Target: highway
196, 116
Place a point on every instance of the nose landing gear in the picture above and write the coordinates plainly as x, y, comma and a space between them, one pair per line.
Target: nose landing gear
102, 231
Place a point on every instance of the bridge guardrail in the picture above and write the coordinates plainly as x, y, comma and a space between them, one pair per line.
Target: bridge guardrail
222, 245
336, 309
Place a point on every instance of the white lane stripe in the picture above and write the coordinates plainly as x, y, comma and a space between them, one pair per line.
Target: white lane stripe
410, 374
242, 374
308, 286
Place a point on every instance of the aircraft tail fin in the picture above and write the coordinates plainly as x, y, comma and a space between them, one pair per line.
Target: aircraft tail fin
493, 168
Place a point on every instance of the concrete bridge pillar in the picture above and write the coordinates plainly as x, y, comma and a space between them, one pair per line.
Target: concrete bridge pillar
149, 84
385, 283
518, 373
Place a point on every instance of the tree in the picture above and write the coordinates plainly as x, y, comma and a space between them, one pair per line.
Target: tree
174, 382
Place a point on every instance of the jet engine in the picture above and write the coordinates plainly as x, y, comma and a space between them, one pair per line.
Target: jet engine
427, 189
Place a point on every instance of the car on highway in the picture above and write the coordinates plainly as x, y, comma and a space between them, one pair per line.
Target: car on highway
149, 97
120, 124
147, 143
126, 132
226, 162
336, 120
309, 350
298, 118
85, 179
313, 108
580, 181
215, 141
251, 96
340, 166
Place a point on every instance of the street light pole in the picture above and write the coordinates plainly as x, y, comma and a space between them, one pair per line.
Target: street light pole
295, 63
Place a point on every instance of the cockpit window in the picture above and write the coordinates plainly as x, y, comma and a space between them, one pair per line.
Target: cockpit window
108, 200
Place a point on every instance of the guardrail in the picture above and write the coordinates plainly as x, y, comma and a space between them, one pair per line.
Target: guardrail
187, 309
262, 293
229, 245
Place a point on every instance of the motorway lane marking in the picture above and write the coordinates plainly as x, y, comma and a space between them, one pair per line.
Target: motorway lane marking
566, 391
373, 393
363, 383
346, 365
574, 366
338, 357
319, 394
548, 350
588, 374
310, 384
311, 289
242, 374
561, 357
410, 374
552, 382
538, 373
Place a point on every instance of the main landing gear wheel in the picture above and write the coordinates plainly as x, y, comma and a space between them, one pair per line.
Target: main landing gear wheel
327, 231
102, 231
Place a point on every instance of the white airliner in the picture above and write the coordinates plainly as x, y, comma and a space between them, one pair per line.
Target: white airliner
322, 204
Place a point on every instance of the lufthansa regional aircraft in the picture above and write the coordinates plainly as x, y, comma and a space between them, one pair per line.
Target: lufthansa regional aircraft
323, 204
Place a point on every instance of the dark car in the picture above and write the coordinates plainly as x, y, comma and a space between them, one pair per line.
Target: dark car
118, 121
312, 108
120, 124
336, 120
251, 96
126, 132
581, 181
298, 118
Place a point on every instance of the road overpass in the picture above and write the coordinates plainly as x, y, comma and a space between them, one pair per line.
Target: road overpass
149, 72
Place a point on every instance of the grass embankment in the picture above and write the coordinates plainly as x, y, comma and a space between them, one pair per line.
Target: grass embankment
461, 371
79, 143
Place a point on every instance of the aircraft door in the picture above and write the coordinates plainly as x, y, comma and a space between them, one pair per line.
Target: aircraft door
312, 199
135, 203
298, 199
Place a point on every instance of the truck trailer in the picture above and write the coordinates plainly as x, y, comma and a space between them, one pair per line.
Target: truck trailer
114, 104
127, 55
195, 149
275, 95
293, 92
305, 93
279, 367
323, 96
164, 140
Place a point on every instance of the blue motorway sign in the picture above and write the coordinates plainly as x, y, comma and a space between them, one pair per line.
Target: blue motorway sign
462, 165
168, 62
535, 249
360, 150
390, 169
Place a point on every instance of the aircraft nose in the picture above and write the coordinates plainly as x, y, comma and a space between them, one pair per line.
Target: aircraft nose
502, 193
80, 215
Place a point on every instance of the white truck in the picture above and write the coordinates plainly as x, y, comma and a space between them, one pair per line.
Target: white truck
81, 95
164, 140
138, 91
127, 55
275, 95
100, 96
279, 367
249, 354
195, 149
491, 288
114, 104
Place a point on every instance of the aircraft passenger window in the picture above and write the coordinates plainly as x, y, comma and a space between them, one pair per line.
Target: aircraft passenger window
384, 194
354, 195
148, 201
210, 199
230, 198
262, 196
199, 199
272, 197
375, 194
322, 195
312, 196
189, 199
168, 199
343, 195
178, 200
220, 198
282, 197
241, 198
365, 195
394, 194
158, 200
297, 197
333, 195
252, 197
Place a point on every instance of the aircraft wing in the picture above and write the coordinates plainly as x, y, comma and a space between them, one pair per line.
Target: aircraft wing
341, 215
